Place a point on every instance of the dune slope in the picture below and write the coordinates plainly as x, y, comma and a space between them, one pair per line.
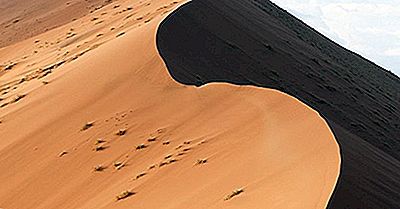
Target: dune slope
90, 118
254, 42
21, 19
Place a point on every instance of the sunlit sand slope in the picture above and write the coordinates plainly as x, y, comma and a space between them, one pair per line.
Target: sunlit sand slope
90, 118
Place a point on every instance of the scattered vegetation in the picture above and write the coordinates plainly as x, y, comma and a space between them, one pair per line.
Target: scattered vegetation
187, 149
18, 97
202, 142
118, 165
152, 139
234, 193
124, 194
99, 148
62, 153
87, 126
180, 153
140, 175
99, 141
99, 168
10, 66
141, 146
201, 161
121, 132
167, 162
120, 34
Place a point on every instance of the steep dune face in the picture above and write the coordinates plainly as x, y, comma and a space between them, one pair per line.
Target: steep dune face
90, 118
254, 42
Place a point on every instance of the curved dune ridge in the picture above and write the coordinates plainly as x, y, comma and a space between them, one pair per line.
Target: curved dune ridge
90, 118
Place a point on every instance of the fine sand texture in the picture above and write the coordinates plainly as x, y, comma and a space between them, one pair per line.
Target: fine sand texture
254, 42
90, 118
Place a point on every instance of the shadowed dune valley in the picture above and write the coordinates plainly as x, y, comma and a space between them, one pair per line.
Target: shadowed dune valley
175, 104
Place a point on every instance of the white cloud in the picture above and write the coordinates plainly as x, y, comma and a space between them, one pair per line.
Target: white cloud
368, 27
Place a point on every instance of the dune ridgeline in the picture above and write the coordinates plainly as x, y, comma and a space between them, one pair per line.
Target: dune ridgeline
91, 118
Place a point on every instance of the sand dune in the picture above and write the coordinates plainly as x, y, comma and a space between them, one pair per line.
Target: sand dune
90, 118
254, 42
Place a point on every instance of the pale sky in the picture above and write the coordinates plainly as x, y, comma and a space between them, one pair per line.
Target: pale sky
371, 28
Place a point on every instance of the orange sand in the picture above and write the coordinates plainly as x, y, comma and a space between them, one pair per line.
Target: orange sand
278, 150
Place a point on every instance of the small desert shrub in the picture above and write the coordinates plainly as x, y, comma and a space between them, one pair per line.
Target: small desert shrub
234, 193
152, 139
62, 153
99, 148
99, 141
172, 161
121, 132
124, 195
120, 34
118, 165
162, 164
99, 168
202, 142
140, 175
141, 146
18, 97
87, 126
167, 162
201, 161
187, 149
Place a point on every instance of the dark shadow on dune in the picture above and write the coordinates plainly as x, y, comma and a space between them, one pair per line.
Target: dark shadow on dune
254, 42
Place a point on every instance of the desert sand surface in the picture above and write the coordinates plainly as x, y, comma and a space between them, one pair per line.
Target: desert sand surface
90, 118
21, 19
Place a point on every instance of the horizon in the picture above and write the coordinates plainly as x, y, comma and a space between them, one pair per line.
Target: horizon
369, 28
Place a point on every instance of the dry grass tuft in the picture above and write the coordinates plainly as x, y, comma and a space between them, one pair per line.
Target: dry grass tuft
141, 146
234, 193
118, 165
168, 156
201, 161
152, 139
187, 149
87, 126
62, 153
121, 132
99, 141
18, 97
140, 175
99, 148
120, 34
99, 168
124, 194
163, 163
